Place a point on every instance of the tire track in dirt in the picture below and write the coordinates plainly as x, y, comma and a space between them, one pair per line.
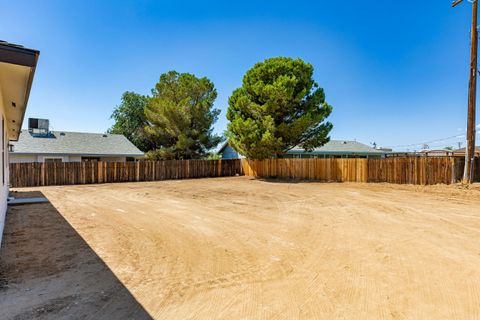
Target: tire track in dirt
238, 248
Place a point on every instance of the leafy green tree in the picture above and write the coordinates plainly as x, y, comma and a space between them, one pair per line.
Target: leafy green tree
180, 117
278, 107
213, 156
130, 120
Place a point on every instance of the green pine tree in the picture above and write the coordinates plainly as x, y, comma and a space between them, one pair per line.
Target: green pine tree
278, 107
180, 117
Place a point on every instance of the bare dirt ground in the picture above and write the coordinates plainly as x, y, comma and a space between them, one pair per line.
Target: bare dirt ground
236, 248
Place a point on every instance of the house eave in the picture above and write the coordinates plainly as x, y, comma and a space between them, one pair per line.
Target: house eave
13, 55
18, 55
77, 154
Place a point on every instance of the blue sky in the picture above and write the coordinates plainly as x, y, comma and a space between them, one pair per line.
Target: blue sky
396, 72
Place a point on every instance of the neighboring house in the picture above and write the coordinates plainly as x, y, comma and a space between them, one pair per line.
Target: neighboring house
38, 144
437, 153
228, 152
461, 152
332, 149
17, 68
338, 149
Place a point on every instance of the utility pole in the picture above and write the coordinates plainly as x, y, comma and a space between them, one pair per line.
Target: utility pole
472, 96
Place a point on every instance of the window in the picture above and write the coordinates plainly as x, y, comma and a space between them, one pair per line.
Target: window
53, 160
90, 159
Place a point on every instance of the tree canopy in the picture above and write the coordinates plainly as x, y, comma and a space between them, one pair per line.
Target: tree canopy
180, 117
130, 120
278, 107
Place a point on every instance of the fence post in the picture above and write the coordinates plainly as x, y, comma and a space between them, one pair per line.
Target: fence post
137, 171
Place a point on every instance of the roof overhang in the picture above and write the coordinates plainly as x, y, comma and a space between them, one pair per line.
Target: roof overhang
17, 68
133, 155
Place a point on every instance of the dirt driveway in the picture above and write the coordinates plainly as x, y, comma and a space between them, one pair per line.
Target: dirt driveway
236, 248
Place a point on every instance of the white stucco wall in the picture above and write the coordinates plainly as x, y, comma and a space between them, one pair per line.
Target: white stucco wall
26, 158
3, 186
41, 157
20, 158
113, 159
74, 158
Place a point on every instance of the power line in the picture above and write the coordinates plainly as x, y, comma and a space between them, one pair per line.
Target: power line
458, 136
427, 142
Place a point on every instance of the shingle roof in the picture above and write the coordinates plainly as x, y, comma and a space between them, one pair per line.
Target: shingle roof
79, 143
341, 147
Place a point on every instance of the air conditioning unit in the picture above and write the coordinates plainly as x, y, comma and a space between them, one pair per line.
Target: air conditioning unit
38, 127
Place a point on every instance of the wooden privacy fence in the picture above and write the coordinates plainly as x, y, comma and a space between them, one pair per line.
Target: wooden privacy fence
404, 170
66, 173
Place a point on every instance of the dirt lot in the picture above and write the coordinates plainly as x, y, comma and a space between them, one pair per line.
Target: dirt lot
236, 248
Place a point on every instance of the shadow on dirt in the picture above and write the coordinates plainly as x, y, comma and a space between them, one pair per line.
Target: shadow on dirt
47, 271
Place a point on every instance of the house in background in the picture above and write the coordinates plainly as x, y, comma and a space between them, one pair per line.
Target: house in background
228, 152
17, 68
39, 144
332, 149
338, 149
461, 152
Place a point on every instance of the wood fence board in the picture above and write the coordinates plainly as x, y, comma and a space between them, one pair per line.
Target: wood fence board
68, 173
398, 170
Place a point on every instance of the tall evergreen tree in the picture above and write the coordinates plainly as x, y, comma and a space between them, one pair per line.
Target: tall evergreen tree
278, 107
180, 117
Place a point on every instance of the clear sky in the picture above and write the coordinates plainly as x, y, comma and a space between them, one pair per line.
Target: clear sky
396, 72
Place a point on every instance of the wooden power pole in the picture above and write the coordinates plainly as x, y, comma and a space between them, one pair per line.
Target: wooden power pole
472, 96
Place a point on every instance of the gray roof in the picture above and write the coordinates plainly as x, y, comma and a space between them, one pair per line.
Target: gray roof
341, 147
75, 143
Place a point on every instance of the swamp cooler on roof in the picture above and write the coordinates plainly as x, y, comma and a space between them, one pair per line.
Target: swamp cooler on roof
38, 126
